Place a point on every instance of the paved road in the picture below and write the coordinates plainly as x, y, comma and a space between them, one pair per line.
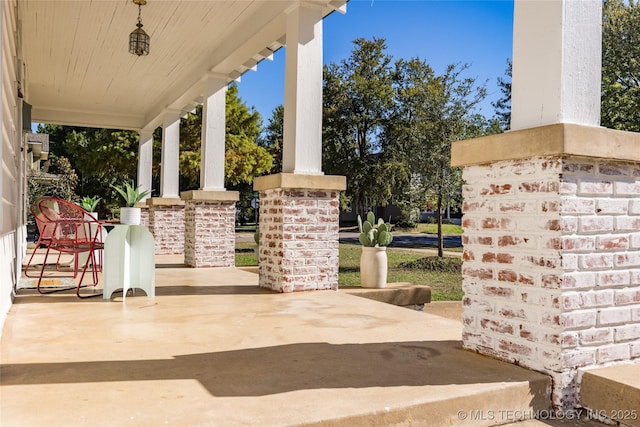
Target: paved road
409, 241
414, 241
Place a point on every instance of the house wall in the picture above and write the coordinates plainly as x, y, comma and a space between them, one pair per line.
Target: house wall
11, 224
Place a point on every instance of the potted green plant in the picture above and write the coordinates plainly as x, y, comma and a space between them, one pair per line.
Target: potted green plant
374, 238
130, 214
90, 203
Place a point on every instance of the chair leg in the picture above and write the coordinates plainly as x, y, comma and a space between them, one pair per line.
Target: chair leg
94, 272
26, 267
44, 264
33, 254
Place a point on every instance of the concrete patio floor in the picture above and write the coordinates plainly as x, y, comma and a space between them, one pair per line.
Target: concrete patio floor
212, 349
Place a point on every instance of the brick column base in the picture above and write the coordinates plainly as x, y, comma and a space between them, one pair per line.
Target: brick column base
210, 238
299, 231
144, 215
166, 223
552, 250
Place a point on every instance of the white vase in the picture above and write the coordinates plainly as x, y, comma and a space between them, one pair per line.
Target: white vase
373, 267
130, 216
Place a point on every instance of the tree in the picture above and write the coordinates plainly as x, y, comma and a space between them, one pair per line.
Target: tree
189, 157
244, 158
357, 98
103, 157
273, 138
57, 179
621, 65
503, 104
431, 112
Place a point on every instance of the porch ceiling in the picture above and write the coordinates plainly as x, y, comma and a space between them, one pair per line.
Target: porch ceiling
78, 70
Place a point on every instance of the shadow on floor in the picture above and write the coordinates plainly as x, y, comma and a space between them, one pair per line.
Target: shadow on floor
285, 368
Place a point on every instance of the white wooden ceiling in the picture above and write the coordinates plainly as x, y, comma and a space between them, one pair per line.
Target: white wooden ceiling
78, 70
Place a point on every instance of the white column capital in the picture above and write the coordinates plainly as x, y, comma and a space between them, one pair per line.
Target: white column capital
145, 135
170, 115
305, 4
212, 83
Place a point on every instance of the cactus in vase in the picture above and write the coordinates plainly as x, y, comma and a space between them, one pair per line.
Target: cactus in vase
374, 235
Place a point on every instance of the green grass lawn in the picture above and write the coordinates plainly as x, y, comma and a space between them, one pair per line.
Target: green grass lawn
446, 229
432, 229
245, 254
444, 286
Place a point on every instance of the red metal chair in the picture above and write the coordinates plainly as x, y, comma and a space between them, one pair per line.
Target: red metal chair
45, 230
71, 230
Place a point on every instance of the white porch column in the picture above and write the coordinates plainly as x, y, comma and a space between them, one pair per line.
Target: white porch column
557, 49
213, 135
169, 171
210, 212
166, 213
145, 160
302, 147
299, 208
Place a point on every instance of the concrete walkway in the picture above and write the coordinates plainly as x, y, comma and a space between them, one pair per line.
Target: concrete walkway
212, 349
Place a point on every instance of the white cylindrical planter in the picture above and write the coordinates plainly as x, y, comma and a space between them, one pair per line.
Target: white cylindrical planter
130, 216
373, 267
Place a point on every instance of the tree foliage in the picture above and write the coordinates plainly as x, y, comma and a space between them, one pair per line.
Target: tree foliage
107, 157
56, 179
100, 157
503, 104
357, 99
621, 65
273, 138
244, 158
389, 127
431, 112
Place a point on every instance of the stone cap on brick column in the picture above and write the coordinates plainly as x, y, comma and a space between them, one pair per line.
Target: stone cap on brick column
294, 180
215, 196
562, 139
165, 201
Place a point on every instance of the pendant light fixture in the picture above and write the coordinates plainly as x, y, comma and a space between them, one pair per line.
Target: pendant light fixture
139, 40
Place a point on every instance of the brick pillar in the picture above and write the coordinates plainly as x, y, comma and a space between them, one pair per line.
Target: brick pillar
166, 223
299, 231
552, 250
144, 215
210, 238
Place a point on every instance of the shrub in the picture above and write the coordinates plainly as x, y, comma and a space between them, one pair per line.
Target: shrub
405, 225
434, 263
57, 179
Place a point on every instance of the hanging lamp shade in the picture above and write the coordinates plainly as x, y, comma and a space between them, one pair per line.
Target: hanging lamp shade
139, 40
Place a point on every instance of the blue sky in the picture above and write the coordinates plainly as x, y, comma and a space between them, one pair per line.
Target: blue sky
441, 32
